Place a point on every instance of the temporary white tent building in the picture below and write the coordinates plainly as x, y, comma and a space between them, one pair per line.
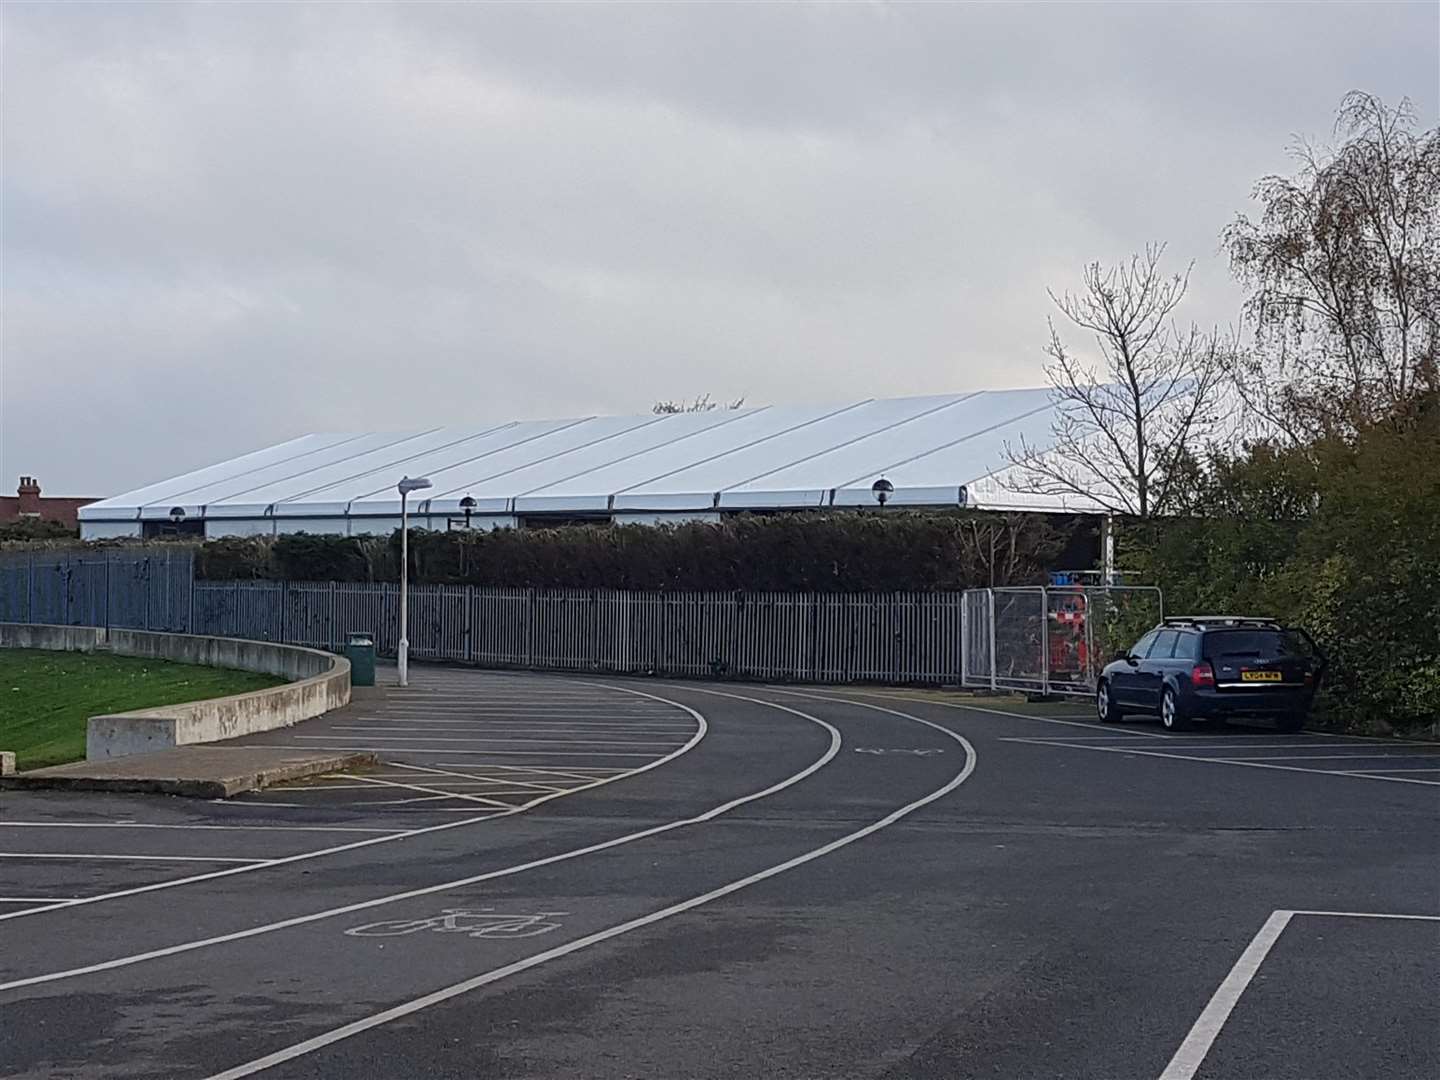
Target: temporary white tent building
940, 451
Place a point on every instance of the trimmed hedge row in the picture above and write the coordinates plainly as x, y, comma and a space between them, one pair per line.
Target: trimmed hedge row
783, 552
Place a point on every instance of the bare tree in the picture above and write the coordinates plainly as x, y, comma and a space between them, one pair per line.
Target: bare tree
700, 404
1126, 424
1343, 275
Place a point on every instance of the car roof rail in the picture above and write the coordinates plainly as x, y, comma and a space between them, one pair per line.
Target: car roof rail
1221, 621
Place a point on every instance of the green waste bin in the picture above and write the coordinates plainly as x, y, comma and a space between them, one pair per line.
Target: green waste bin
360, 651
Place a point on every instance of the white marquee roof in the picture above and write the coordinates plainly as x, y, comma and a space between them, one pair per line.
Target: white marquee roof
754, 458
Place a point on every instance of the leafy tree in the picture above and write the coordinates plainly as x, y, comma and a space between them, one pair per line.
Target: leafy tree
1342, 270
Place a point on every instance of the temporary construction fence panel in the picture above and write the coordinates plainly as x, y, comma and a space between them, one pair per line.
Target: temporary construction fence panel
1054, 640
134, 590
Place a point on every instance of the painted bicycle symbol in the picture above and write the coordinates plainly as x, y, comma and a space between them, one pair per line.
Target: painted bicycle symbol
472, 922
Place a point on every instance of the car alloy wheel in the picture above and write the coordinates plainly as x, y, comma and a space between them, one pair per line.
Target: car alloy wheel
1169, 711
1102, 702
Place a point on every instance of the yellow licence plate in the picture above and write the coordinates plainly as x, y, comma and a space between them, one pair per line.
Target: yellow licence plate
1260, 676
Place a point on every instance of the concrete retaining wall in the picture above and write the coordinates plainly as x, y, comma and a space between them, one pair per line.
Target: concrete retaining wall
319, 682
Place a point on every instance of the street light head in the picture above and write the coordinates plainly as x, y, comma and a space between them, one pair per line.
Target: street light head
412, 483
882, 490
177, 514
468, 503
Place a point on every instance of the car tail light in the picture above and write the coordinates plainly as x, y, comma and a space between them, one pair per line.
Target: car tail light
1309, 678
1202, 675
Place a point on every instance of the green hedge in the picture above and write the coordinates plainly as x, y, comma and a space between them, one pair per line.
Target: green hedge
1341, 537
783, 552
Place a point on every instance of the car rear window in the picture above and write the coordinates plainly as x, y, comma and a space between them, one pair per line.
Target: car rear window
1260, 644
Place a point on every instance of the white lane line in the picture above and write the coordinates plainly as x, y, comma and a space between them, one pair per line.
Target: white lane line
122, 858
1201, 1037
35, 899
416, 1005
436, 791
455, 750
150, 825
700, 729
1430, 770
460, 883
1235, 761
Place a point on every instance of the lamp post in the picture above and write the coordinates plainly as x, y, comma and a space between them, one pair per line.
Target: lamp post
402, 653
468, 505
177, 517
882, 490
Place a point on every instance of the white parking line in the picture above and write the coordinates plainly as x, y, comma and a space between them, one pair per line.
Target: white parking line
700, 729
1202, 1034
1228, 761
454, 750
1227, 745
497, 739
522, 725
436, 791
122, 858
126, 961
1319, 757
152, 825
1093, 724
492, 780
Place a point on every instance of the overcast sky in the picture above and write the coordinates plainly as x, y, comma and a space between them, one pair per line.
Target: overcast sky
228, 225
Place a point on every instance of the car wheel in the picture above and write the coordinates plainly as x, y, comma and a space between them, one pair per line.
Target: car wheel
1293, 721
1105, 706
1171, 716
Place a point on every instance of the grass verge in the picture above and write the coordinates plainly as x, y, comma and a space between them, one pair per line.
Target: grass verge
46, 697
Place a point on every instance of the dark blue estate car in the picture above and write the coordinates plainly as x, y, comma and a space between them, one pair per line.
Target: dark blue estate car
1210, 667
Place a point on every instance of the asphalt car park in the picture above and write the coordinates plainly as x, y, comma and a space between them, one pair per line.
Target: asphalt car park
773, 881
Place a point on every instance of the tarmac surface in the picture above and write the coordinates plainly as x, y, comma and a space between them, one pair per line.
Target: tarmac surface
585, 877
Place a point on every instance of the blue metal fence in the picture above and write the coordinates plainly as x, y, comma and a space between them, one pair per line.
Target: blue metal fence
812, 637
136, 590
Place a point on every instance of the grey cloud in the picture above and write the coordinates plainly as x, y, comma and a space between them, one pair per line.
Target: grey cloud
225, 225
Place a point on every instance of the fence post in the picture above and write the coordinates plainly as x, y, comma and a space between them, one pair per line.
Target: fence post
994, 660
530, 628
1044, 642
964, 639
469, 602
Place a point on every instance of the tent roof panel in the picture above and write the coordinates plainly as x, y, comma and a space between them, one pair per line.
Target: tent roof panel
761, 458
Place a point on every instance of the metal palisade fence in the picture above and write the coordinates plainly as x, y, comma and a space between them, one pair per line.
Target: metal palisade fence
1037, 640
147, 589
819, 637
